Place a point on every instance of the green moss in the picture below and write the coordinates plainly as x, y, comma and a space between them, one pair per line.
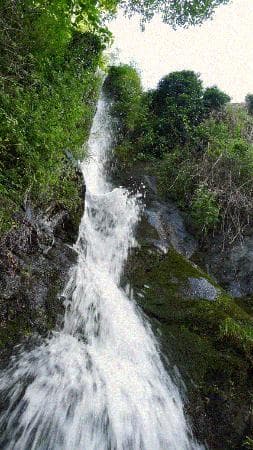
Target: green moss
199, 359
248, 444
167, 275
216, 366
26, 322
239, 332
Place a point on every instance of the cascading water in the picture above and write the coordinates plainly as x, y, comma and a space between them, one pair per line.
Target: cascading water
98, 384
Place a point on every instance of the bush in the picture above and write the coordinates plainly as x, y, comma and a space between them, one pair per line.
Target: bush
178, 106
198, 146
123, 85
214, 99
174, 175
204, 209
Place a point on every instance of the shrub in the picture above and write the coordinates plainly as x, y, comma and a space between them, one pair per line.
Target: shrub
178, 106
174, 175
199, 147
123, 85
215, 99
204, 209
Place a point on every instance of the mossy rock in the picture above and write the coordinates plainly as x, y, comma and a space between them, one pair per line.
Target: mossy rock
214, 360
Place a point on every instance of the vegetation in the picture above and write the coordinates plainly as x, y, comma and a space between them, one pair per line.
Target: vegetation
48, 92
178, 107
125, 86
241, 334
174, 12
248, 443
210, 342
214, 99
199, 147
49, 55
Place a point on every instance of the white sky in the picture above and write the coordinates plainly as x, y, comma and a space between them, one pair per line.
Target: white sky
221, 50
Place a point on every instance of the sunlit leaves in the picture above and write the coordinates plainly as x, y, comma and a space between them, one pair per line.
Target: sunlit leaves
177, 13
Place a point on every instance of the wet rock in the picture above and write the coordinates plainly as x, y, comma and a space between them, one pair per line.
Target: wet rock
200, 288
151, 183
169, 223
35, 258
164, 217
232, 267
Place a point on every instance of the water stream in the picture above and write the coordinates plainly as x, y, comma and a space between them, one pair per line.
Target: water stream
98, 384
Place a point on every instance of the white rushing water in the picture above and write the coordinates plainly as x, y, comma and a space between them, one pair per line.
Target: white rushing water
99, 383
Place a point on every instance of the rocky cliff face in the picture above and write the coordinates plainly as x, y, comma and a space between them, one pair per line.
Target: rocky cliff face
232, 266
188, 312
204, 333
35, 258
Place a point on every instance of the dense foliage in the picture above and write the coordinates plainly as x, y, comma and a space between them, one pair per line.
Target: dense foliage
174, 12
48, 93
49, 54
214, 99
178, 108
125, 87
199, 147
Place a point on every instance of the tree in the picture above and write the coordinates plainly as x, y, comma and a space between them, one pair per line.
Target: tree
178, 13
178, 105
182, 89
123, 85
249, 103
90, 15
214, 99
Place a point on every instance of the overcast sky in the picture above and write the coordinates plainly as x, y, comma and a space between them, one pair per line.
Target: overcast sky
221, 50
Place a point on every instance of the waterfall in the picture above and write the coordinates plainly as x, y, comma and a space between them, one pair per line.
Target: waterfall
98, 383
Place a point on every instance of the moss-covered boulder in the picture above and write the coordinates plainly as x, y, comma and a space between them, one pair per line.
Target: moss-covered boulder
210, 341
